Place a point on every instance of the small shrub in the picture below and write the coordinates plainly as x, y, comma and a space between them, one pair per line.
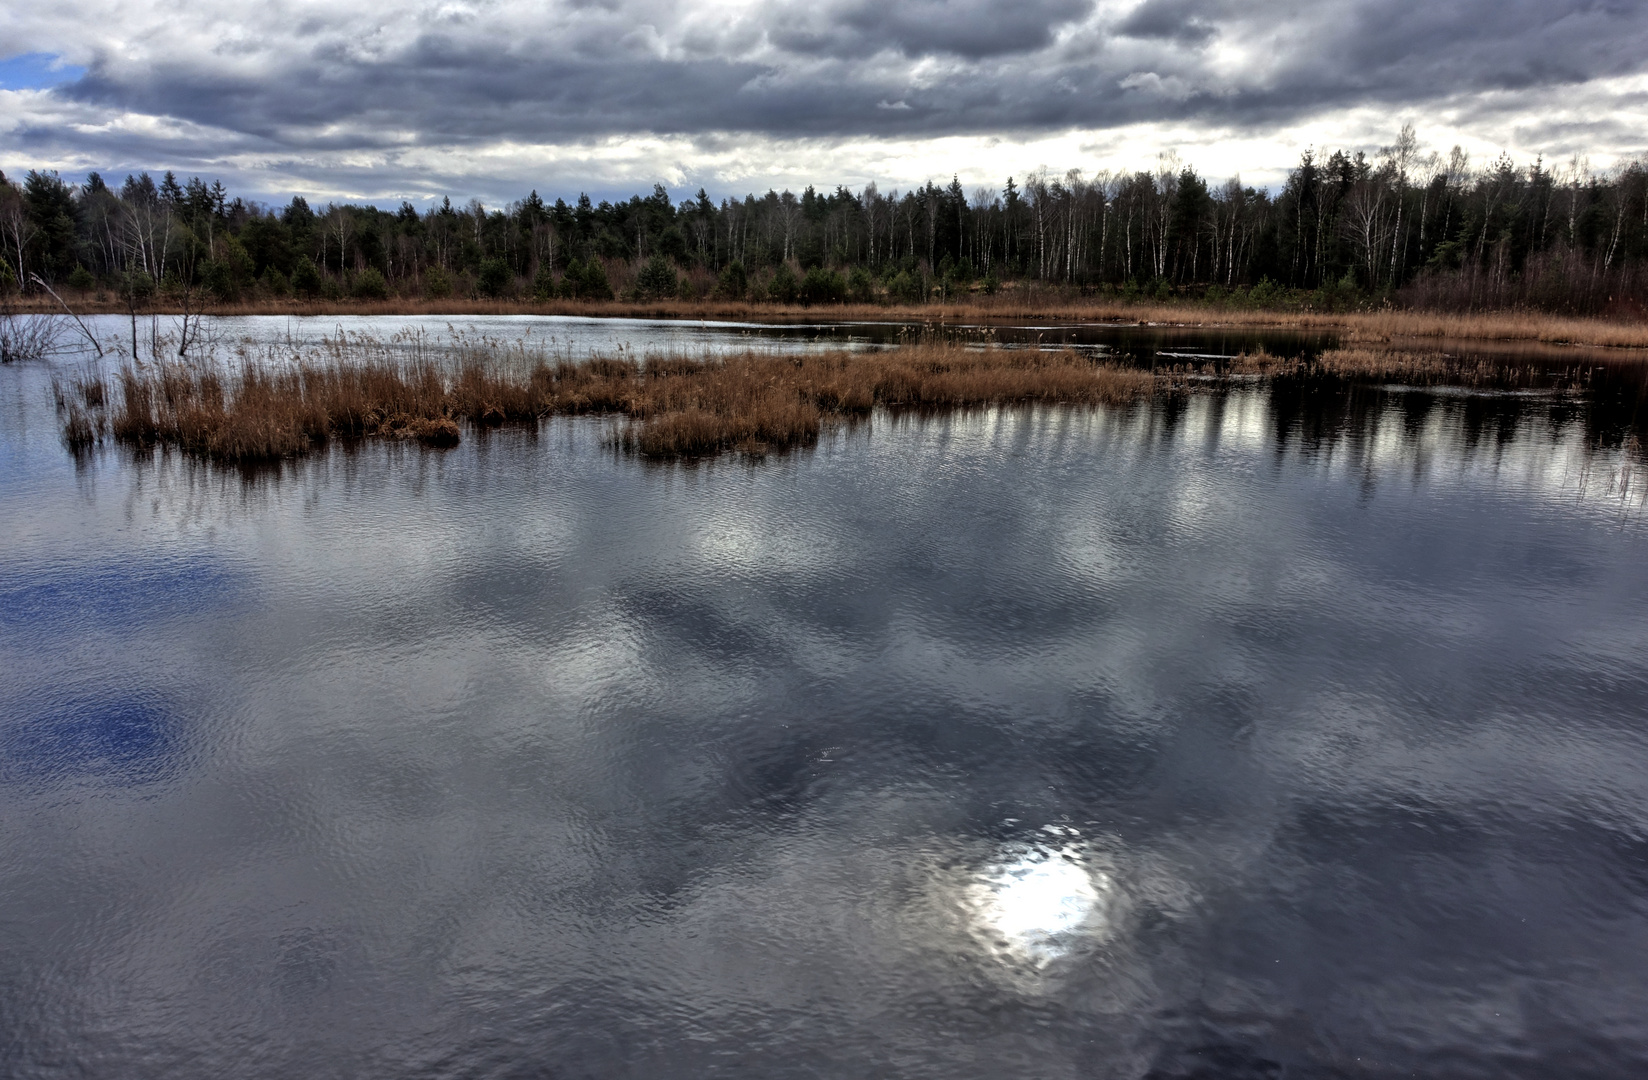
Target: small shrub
239, 264
215, 279
275, 282
656, 280
860, 286
821, 286
586, 281
1264, 294
81, 279
1346, 295
596, 286
437, 284
369, 284
543, 282
495, 279
567, 287
733, 283
783, 288
135, 287
905, 287
306, 278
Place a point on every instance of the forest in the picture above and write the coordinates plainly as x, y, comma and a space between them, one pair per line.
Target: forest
1402, 228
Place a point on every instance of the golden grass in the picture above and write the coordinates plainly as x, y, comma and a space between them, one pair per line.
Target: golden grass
1412, 367
266, 414
752, 402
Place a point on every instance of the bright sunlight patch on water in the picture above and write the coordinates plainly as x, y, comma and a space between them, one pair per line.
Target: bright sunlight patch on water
1038, 901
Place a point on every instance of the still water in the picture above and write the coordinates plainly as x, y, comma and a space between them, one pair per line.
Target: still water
577, 338
1256, 734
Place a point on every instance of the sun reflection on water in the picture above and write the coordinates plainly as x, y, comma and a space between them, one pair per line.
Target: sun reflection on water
1039, 900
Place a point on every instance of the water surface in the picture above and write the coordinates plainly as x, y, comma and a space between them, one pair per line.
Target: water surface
578, 337
1282, 732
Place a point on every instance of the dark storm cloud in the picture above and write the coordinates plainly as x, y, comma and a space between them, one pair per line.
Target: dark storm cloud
1187, 21
969, 28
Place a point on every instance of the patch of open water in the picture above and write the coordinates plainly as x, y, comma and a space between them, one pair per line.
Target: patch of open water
577, 337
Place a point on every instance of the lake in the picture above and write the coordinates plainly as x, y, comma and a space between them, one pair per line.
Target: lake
1275, 731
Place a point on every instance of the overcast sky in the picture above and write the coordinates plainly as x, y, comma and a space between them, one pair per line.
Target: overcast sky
382, 101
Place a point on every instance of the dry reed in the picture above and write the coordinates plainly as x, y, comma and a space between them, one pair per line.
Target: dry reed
80, 405
1413, 367
675, 407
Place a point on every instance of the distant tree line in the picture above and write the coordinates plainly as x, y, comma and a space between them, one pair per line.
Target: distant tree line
1344, 230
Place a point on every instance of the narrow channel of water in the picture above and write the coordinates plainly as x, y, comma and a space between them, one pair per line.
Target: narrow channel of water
1289, 730
578, 337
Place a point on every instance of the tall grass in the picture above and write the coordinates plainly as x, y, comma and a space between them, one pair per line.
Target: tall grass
80, 407
261, 413
1412, 367
673, 407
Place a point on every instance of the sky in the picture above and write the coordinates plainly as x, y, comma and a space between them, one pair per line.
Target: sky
380, 102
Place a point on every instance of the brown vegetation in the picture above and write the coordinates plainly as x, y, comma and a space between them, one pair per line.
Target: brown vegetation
269, 408
80, 404
1411, 367
674, 407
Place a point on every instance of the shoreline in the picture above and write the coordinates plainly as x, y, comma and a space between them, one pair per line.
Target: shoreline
1384, 326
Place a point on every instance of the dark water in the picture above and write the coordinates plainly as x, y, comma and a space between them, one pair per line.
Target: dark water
1276, 733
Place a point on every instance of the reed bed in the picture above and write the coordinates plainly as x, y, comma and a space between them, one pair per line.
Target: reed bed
1412, 367
672, 407
266, 408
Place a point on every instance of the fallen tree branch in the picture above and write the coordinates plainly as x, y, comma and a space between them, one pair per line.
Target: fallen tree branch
36, 279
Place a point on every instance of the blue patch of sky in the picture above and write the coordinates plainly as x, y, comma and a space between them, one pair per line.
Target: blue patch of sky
120, 738
36, 71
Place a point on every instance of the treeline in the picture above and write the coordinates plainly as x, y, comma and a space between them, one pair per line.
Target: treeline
1403, 227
